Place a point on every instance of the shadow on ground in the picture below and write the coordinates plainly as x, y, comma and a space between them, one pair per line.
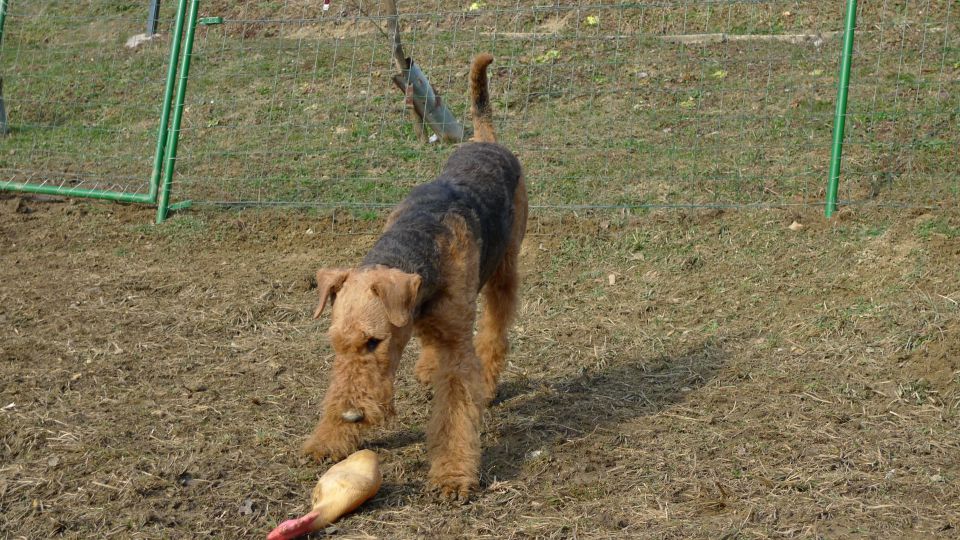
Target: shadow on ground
539, 415
531, 415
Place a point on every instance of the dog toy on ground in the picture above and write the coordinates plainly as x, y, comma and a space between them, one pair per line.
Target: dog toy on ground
340, 490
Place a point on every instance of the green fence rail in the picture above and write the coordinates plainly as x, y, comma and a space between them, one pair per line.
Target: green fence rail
610, 105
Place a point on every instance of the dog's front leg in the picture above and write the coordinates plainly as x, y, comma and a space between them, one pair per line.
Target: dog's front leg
360, 396
453, 434
336, 435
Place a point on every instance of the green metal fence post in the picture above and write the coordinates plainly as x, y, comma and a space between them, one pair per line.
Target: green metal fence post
167, 101
173, 135
840, 117
4, 129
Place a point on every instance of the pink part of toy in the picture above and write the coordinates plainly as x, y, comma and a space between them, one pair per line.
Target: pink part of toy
294, 528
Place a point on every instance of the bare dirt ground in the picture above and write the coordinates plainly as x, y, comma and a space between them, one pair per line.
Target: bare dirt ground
675, 374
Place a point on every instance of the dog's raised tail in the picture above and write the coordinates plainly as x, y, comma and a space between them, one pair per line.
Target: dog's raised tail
480, 97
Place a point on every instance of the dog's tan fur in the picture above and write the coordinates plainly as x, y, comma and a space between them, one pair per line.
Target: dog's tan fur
378, 307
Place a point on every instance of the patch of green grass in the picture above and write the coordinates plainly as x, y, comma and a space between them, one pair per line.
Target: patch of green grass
861, 308
916, 392
873, 231
366, 214
828, 323
179, 228
918, 256
939, 226
935, 145
905, 78
268, 115
894, 290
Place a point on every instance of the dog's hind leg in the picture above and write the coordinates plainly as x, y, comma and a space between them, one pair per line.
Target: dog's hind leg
500, 302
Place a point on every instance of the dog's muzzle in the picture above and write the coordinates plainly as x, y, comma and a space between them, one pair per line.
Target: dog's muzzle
352, 415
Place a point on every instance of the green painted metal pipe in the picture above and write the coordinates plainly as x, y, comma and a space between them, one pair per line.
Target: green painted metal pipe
840, 118
167, 101
4, 125
47, 189
173, 133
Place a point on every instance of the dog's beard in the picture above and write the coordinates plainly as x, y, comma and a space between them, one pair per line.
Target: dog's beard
360, 395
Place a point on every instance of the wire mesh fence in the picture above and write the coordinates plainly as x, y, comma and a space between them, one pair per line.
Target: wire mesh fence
903, 121
83, 107
608, 105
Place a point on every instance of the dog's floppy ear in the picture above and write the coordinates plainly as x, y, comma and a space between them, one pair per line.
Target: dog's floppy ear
398, 292
329, 281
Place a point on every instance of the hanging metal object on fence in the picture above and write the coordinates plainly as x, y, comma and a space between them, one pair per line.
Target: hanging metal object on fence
425, 106
153, 17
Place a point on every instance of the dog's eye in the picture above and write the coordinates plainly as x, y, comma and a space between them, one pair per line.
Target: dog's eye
372, 344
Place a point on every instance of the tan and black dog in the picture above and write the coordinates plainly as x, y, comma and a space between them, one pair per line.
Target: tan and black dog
449, 240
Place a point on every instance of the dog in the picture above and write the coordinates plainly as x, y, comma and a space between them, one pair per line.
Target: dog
447, 242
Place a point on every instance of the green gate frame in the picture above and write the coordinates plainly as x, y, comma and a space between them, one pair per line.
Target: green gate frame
166, 137
173, 134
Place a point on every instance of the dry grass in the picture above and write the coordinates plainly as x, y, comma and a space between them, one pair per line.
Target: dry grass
736, 379
675, 374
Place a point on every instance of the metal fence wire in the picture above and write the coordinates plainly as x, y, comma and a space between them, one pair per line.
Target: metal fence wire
608, 105
903, 119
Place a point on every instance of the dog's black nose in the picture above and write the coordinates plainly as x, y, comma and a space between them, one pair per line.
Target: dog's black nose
352, 415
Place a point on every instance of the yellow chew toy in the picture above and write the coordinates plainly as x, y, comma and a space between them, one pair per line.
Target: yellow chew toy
340, 490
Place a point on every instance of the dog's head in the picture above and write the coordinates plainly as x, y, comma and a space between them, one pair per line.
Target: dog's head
371, 322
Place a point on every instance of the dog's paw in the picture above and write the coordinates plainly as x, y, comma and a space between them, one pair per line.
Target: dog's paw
455, 488
320, 448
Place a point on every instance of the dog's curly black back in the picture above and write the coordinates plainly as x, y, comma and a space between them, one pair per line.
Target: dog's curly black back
478, 183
